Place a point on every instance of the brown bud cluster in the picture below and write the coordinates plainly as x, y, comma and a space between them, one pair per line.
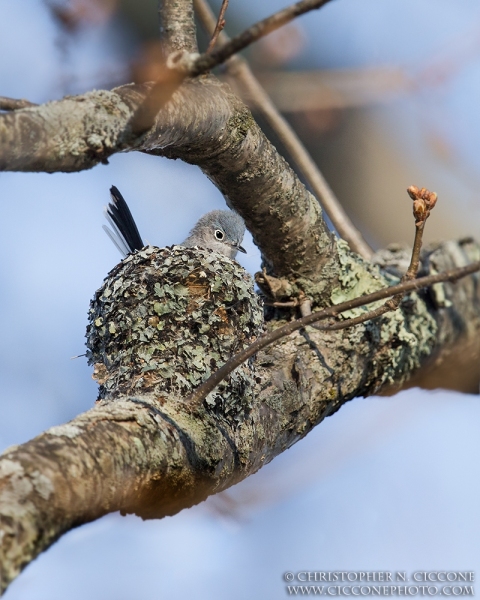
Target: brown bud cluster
423, 202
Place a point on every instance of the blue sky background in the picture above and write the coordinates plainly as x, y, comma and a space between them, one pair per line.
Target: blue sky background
384, 484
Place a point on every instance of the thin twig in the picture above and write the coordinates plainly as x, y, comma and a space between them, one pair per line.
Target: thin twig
423, 203
13, 104
206, 62
238, 68
292, 304
452, 275
219, 26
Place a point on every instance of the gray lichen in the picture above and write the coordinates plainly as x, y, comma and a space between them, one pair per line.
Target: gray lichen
356, 278
166, 318
408, 336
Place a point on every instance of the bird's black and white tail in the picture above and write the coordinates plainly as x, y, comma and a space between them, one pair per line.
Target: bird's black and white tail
124, 233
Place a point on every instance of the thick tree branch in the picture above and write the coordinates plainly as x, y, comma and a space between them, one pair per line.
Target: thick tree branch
260, 100
77, 472
274, 336
255, 96
181, 59
73, 134
75, 141
14, 104
220, 136
177, 26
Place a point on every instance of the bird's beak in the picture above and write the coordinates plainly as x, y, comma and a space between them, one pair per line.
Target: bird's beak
241, 248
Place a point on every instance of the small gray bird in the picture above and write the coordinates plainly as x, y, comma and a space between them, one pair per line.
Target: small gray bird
219, 230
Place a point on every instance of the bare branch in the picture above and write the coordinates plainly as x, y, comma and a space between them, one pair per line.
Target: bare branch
14, 104
256, 95
306, 165
178, 26
206, 62
209, 22
219, 25
339, 89
219, 135
178, 40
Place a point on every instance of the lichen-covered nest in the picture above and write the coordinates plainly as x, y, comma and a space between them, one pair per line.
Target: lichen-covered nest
166, 318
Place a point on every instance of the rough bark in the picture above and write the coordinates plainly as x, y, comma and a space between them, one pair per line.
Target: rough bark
177, 26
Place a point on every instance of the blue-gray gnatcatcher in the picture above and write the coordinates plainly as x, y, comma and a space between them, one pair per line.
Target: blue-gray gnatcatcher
219, 230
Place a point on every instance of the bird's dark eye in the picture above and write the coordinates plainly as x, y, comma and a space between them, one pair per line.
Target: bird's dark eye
219, 234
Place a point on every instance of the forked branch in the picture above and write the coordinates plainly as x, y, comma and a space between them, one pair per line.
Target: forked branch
183, 63
206, 62
239, 69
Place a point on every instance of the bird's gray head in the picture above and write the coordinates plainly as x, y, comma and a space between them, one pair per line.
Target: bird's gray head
220, 230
